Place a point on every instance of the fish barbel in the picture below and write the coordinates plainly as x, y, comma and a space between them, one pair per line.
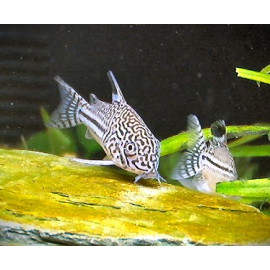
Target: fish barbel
125, 138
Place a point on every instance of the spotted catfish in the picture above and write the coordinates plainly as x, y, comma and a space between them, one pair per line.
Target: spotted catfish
125, 138
205, 164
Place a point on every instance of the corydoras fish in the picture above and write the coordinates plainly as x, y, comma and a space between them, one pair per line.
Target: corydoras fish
204, 164
125, 138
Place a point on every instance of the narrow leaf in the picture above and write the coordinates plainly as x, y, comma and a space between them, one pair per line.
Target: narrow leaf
179, 142
253, 75
265, 70
243, 140
246, 188
44, 115
251, 151
90, 145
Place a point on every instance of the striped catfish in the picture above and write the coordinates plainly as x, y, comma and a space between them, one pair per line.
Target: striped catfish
205, 164
125, 138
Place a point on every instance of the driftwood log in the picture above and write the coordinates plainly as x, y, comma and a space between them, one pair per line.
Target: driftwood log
49, 200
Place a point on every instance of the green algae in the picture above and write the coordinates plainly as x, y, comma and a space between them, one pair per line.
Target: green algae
54, 196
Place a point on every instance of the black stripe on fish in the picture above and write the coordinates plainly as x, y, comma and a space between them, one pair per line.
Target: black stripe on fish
218, 165
93, 121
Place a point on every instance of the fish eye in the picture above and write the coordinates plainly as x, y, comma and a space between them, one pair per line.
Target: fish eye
130, 148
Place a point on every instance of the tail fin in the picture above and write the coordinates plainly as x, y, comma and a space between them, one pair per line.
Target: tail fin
190, 162
67, 113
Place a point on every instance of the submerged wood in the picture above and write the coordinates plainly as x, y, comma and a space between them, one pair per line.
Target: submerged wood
49, 200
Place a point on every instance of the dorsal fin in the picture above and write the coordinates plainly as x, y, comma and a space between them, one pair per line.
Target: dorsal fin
117, 95
218, 130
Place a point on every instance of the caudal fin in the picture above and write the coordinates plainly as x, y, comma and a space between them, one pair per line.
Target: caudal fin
190, 162
67, 113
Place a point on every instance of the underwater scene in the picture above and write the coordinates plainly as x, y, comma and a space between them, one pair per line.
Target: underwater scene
135, 135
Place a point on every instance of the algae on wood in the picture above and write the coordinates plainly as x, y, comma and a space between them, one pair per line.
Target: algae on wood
45, 199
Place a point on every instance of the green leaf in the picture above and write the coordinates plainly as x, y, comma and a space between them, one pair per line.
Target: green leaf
239, 131
265, 70
246, 188
179, 142
52, 141
90, 146
253, 75
39, 142
174, 144
246, 168
251, 151
243, 140
259, 202
61, 141
44, 115
252, 200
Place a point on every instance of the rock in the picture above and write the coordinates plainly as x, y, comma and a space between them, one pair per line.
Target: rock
49, 200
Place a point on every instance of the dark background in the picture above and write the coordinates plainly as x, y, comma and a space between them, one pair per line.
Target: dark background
165, 72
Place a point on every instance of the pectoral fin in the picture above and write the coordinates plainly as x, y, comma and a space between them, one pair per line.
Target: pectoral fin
88, 135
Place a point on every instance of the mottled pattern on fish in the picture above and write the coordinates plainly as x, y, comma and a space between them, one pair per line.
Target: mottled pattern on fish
121, 132
204, 164
127, 134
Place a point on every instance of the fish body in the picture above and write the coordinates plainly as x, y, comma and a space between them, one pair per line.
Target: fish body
116, 126
204, 164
